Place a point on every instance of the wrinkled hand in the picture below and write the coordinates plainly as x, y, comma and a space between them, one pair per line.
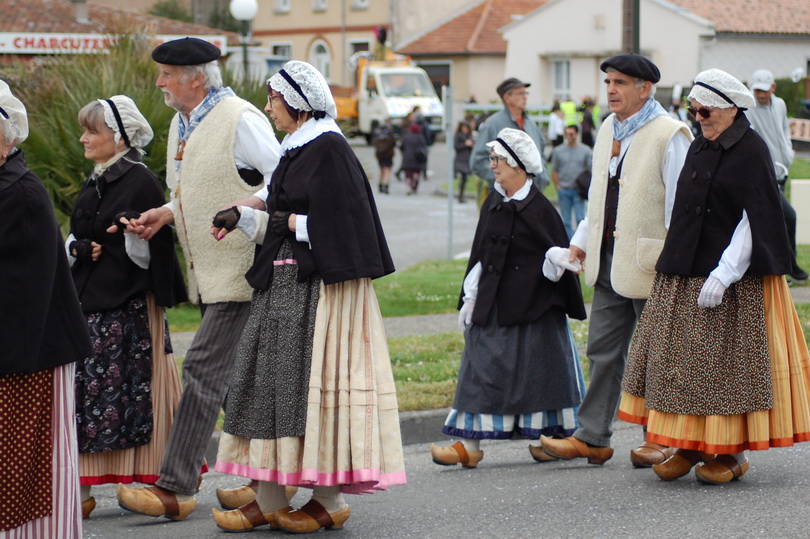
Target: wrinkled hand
465, 314
559, 259
123, 219
227, 219
711, 295
147, 225
577, 254
280, 223
85, 250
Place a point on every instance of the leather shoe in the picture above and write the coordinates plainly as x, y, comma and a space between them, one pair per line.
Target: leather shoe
538, 454
154, 502
679, 464
649, 453
455, 454
87, 507
572, 448
247, 517
721, 469
312, 517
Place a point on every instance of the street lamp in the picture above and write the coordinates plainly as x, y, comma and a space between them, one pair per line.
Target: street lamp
244, 11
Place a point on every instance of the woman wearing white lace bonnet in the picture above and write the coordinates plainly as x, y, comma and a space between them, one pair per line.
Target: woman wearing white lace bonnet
125, 282
720, 317
13, 121
321, 244
515, 297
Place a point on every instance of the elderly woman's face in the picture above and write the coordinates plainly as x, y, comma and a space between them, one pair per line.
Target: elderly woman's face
99, 143
511, 179
279, 114
713, 121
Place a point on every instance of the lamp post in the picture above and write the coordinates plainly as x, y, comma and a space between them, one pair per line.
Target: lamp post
244, 11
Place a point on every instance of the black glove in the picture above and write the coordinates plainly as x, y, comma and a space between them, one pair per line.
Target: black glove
280, 223
127, 214
82, 250
227, 219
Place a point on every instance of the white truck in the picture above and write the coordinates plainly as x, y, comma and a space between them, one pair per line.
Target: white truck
386, 90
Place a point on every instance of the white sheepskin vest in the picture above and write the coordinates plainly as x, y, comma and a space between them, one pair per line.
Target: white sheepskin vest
640, 232
208, 180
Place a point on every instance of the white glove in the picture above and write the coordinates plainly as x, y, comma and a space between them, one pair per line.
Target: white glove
557, 261
711, 295
465, 314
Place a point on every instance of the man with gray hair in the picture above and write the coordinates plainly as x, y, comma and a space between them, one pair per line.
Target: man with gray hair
220, 149
637, 159
769, 119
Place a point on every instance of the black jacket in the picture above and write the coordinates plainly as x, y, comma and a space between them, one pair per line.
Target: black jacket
511, 243
114, 278
325, 181
718, 181
41, 324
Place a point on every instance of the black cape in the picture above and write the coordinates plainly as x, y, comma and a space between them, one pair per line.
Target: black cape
324, 180
41, 324
114, 278
511, 243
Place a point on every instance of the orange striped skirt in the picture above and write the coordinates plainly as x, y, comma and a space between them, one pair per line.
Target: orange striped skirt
788, 422
142, 464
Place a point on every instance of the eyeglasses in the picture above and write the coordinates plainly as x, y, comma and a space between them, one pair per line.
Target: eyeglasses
522, 92
496, 159
703, 111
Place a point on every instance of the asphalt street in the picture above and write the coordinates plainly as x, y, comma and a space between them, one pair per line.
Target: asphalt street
509, 495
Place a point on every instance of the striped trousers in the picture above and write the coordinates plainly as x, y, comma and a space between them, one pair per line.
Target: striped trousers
206, 374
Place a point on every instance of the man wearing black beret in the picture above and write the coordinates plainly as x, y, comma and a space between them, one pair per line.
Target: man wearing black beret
637, 159
220, 149
514, 95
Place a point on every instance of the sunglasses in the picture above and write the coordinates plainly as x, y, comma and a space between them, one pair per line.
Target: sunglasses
703, 111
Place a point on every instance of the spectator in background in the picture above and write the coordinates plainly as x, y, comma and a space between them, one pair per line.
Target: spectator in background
769, 119
384, 142
414, 156
514, 94
463, 143
567, 163
556, 125
588, 126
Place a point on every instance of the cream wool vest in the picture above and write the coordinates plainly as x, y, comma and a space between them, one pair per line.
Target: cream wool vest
640, 232
208, 180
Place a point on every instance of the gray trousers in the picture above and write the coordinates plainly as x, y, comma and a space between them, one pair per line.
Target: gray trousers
613, 321
206, 375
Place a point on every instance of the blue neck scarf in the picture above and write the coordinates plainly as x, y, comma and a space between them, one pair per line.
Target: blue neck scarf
201, 111
649, 111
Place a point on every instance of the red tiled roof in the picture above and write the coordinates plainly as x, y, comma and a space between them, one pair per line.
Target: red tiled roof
753, 16
473, 32
57, 16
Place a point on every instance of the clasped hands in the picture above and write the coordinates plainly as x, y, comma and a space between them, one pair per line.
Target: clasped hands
559, 259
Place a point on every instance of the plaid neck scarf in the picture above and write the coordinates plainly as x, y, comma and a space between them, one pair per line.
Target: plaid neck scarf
201, 111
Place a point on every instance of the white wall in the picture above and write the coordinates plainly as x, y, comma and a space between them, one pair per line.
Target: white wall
671, 39
742, 56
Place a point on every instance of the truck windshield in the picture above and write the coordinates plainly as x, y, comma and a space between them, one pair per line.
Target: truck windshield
406, 85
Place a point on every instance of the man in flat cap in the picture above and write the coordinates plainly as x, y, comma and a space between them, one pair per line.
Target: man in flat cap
637, 159
769, 119
220, 149
514, 96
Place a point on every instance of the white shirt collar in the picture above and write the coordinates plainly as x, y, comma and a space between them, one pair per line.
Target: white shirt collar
521, 193
309, 131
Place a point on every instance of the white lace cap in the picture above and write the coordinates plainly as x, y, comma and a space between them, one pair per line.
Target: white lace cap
13, 112
312, 92
521, 145
713, 84
138, 131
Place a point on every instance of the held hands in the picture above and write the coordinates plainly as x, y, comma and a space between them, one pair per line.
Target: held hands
225, 221
711, 295
147, 225
559, 259
465, 314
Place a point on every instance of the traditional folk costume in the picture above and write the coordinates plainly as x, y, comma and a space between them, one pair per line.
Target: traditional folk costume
43, 335
128, 390
736, 376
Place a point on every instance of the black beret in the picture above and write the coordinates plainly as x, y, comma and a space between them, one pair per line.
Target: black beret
186, 51
510, 84
634, 65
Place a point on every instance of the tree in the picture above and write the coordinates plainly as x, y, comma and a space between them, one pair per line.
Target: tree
171, 9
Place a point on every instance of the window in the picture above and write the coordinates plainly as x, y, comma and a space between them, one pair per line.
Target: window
321, 58
359, 4
561, 80
319, 5
283, 50
359, 46
281, 6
